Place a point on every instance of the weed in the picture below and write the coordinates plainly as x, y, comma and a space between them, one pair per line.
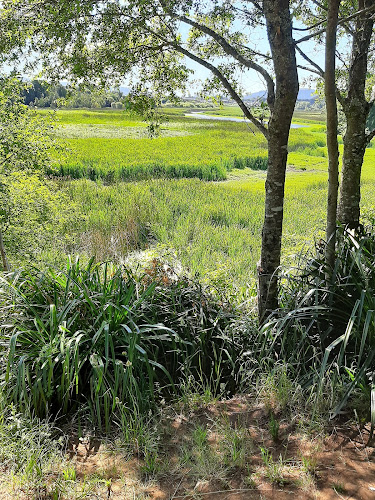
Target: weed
274, 427
274, 469
338, 487
309, 464
69, 473
278, 392
202, 458
235, 444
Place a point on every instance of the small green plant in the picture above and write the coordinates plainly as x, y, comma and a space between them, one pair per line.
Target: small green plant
140, 436
249, 479
266, 456
69, 473
151, 464
309, 464
274, 468
338, 487
202, 457
235, 444
200, 437
277, 390
194, 395
274, 427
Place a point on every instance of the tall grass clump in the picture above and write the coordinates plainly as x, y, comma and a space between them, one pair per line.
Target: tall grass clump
325, 330
256, 162
95, 337
111, 172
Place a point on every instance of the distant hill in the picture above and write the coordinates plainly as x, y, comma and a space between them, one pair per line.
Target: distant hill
262, 94
306, 94
303, 95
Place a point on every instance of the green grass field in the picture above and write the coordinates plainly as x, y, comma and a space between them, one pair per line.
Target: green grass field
214, 227
114, 146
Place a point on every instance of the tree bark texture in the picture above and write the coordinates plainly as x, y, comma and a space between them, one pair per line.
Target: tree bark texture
356, 109
332, 122
279, 31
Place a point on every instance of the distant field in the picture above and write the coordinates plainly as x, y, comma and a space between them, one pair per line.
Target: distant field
214, 227
113, 145
235, 111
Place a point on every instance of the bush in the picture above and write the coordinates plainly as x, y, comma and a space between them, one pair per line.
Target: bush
326, 327
97, 337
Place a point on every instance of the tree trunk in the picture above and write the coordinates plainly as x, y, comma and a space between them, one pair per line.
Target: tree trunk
279, 31
356, 109
332, 142
3, 254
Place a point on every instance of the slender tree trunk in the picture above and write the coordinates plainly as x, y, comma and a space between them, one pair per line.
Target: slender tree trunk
356, 109
3, 254
332, 142
279, 31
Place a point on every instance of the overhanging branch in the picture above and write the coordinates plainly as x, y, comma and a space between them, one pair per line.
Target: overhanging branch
232, 51
226, 85
340, 22
319, 70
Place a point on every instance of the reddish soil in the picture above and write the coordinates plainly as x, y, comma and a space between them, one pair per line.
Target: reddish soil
337, 465
343, 465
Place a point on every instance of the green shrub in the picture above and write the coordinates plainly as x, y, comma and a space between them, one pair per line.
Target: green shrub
96, 337
325, 330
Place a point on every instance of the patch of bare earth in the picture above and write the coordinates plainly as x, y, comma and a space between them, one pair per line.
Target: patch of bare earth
292, 465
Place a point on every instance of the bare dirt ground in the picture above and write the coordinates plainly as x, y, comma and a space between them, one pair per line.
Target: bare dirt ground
335, 464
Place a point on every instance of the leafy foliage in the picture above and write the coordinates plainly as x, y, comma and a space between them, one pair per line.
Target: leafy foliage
327, 328
41, 221
96, 335
26, 138
30, 211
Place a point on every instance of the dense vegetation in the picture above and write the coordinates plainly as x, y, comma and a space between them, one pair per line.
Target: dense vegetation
213, 227
170, 317
184, 282
201, 148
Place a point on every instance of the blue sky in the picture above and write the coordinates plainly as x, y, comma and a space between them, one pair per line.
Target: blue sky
252, 81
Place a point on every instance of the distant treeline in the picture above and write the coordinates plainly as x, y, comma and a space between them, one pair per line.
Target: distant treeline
42, 94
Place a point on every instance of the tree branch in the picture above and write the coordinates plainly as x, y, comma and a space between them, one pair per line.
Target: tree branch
319, 70
340, 21
232, 51
310, 27
320, 5
226, 85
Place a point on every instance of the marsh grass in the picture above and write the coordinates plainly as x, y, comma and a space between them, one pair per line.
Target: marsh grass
113, 146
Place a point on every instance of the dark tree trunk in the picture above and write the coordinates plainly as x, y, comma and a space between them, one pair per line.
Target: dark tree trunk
356, 109
279, 31
332, 142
